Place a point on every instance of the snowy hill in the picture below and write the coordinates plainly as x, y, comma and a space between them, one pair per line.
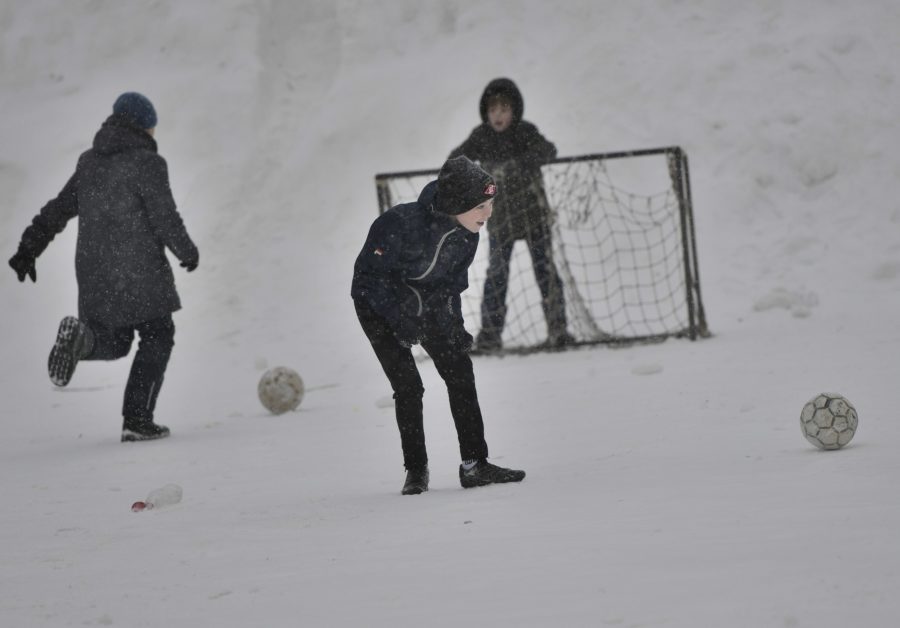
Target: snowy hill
684, 497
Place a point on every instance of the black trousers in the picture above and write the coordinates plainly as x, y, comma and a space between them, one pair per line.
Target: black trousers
157, 337
454, 367
493, 306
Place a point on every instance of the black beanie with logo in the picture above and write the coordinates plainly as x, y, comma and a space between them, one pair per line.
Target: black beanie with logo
461, 186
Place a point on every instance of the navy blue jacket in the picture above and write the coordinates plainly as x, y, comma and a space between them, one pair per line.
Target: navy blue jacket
414, 266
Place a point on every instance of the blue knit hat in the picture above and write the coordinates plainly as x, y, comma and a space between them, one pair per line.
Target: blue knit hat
137, 108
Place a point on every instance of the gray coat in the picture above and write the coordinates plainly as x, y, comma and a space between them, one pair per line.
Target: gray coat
126, 219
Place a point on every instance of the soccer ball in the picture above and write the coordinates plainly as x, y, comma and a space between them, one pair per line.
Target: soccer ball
280, 389
828, 421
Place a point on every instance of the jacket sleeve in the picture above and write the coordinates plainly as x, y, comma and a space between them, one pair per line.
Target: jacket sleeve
469, 148
444, 305
162, 214
456, 152
445, 318
534, 147
51, 220
385, 290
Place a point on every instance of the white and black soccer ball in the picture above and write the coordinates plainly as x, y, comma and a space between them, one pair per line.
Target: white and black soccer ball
829, 421
280, 390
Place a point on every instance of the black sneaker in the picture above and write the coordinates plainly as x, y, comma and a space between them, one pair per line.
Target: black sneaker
73, 342
416, 482
142, 429
484, 473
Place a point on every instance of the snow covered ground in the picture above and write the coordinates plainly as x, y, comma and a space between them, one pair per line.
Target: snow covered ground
668, 485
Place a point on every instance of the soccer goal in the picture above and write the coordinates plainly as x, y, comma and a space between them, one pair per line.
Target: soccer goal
623, 245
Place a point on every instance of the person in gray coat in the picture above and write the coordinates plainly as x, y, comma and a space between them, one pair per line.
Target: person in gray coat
126, 219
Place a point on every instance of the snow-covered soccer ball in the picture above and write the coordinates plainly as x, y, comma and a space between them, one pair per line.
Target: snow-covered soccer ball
280, 390
828, 421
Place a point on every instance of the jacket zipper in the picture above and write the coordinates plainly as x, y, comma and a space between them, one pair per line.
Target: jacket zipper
437, 252
428, 270
419, 297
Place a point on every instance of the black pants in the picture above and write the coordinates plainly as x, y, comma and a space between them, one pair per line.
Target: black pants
493, 306
454, 367
149, 366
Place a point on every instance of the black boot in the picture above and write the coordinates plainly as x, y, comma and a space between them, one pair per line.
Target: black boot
484, 473
142, 429
558, 340
487, 343
74, 340
416, 482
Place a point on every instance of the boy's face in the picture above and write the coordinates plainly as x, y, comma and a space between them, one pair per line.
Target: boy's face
474, 219
500, 116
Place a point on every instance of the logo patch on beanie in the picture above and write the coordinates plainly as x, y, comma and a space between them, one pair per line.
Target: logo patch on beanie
490, 189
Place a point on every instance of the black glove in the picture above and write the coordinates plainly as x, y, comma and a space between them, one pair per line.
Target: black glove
460, 339
439, 309
444, 321
191, 264
407, 331
23, 264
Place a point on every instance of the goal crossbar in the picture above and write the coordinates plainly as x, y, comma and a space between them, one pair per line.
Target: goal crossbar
627, 260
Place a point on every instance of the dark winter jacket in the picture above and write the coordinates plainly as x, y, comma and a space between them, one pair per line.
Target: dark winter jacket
126, 219
413, 268
514, 158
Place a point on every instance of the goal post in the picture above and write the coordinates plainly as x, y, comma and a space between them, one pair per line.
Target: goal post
680, 173
623, 245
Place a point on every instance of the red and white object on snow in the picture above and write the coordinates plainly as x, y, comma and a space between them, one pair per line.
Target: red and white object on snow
158, 498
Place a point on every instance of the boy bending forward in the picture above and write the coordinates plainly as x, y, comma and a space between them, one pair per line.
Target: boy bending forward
407, 283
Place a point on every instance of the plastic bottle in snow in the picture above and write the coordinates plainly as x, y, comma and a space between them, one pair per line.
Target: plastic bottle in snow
160, 497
